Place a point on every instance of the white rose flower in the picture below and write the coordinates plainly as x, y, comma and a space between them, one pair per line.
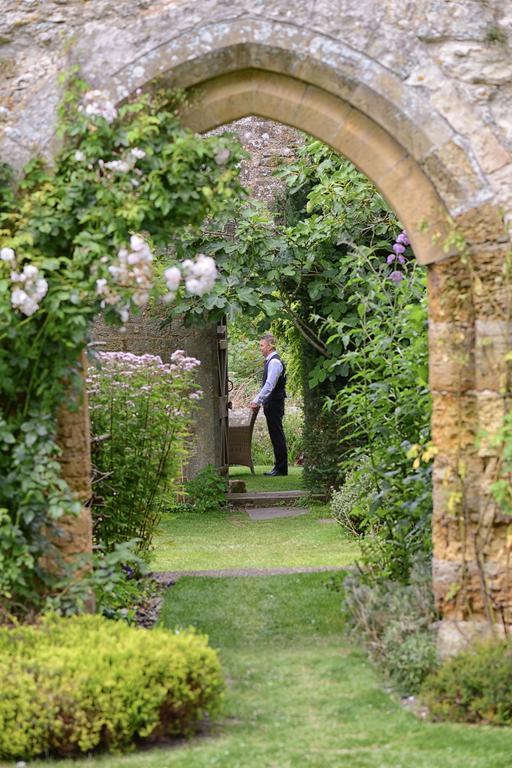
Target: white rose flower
194, 286
29, 306
79, 156
133, 258
7, 254
140, 298
41, 288
138, 153
18, 297
222, 156
30, 271
97, 104
137, 243
172, 278
117, 165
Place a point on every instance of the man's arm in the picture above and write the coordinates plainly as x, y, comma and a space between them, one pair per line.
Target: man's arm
275, 368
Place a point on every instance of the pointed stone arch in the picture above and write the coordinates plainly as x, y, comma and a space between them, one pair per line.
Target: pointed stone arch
284, 67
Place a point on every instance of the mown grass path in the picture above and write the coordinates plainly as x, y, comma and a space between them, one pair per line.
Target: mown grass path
299, 695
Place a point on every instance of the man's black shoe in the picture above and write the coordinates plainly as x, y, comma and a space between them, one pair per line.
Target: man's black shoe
274, 472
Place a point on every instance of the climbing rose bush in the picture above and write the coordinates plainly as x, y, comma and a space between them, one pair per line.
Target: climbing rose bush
141, 413
77, 238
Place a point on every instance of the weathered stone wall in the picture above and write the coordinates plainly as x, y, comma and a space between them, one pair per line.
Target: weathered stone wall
442, 70
268, 144
418, 96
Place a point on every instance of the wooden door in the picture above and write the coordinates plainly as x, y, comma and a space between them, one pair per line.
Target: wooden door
223, 394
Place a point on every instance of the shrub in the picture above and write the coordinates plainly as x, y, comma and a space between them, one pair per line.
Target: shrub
409, 658
394, 620
350, 505
140, 414
118, 580
475, 686
77, 684
206, 492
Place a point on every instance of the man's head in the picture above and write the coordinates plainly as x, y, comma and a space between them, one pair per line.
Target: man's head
267, 344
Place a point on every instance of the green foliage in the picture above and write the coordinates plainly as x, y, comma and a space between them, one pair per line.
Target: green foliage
262, 452
83, 683
386, 408
473, 687
140, 414
325, 262
305, 267
206, 492
119, 582
394, 621
350, 505
116, 580
502, 440
67, 223
321, 438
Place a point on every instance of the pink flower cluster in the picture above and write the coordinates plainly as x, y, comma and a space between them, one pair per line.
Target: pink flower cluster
179, 361
120, 367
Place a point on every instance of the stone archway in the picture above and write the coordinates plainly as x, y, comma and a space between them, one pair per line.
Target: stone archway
425, 146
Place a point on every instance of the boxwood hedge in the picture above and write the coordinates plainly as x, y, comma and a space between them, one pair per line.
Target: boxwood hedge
72, 685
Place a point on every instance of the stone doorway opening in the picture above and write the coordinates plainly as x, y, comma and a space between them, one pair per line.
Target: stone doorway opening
467, 331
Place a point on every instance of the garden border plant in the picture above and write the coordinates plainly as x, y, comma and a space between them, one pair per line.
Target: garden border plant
77, 238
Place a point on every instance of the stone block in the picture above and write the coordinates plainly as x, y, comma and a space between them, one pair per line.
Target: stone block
454, 423
451, 357
456, 178
450, 295
493, 343
454, 636
492, 290
491, 412
472, 589
456, 485
482, 224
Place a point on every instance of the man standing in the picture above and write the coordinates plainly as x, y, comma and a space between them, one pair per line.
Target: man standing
272, 395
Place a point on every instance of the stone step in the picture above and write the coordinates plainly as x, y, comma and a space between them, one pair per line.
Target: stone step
269, 498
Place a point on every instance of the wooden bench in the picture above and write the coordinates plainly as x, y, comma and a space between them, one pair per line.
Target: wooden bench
239, 440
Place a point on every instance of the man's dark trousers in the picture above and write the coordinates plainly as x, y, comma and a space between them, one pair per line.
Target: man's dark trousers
274, 412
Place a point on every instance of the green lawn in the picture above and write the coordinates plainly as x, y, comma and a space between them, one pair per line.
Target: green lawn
258, 482
231, 540
194, 542
299, 696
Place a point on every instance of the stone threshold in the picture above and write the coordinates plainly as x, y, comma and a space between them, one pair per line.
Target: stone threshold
270, 498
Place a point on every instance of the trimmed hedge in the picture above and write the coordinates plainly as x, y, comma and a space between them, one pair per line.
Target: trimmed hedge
72, 685
473, 687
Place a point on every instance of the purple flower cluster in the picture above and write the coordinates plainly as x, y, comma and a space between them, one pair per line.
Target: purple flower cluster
397, 257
